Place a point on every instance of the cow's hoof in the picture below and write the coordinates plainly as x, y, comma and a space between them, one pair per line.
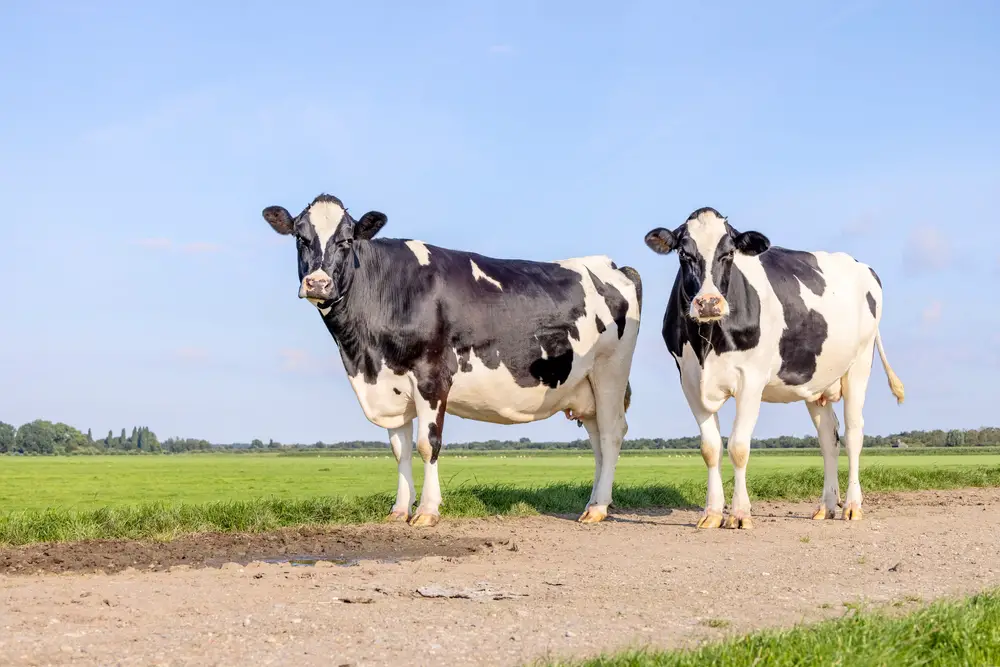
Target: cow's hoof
593, 514
420, 520
738, 522
710, 520
823, 513
852, 512
397, 516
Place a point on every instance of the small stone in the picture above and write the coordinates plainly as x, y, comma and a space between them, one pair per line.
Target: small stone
246, 622
570, 633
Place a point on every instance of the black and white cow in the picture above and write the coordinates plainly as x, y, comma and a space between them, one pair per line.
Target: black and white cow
425, 331
763, 323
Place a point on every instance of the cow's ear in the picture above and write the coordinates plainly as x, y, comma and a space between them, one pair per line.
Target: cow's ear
661, 241
279, 219
752, 243
369, 225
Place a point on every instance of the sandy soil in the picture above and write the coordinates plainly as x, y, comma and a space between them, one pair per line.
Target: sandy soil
533, 587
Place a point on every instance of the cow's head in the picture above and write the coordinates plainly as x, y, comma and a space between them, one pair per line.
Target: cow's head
325, 234
706, 244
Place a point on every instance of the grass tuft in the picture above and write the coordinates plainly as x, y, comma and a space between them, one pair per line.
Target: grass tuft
965, 632
163, 520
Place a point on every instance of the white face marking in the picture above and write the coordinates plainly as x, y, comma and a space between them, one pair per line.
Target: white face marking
478, 274
706, 231
325, 216
421, 251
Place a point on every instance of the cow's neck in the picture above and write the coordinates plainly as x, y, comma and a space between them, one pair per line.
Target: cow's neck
349, 320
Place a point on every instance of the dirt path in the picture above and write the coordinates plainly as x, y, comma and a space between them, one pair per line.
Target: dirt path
564, 589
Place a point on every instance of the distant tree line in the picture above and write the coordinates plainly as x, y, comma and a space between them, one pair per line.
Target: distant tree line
42, 437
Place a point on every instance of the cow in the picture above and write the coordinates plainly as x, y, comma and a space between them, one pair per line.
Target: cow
424, 331
757, 322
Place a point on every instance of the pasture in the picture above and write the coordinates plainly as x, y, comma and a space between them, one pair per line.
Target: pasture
92, 482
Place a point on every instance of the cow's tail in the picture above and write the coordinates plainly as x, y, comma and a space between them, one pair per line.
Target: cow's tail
895, 384
632, 275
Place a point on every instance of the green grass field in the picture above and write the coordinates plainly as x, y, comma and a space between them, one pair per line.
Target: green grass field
48, 499
82, 483
964, 632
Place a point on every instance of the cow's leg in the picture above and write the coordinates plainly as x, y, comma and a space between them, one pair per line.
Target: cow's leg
855, 386
747, 411
609, 397
711, 453
430, 424
595, 444
401, 440
825, 420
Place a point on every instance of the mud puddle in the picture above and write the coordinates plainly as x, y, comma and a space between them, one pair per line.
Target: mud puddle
302, 547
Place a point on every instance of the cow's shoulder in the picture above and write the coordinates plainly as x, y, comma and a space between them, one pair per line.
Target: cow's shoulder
785, 268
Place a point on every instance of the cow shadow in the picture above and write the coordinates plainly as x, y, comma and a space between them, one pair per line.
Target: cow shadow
565, 500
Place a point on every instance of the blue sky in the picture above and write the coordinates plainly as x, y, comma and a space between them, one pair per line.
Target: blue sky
140, 143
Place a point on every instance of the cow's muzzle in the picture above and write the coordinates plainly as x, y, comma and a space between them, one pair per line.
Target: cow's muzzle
709, 308
316, 286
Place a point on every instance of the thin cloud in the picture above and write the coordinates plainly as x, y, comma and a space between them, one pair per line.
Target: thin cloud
156, 121
932, 313
191, 354
927, 250
302, 362
156, 243
502, 49
859, 226
294, 360
200, 247
191, 248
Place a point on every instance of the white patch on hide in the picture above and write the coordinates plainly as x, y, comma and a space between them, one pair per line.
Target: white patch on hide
478, 274
421, 251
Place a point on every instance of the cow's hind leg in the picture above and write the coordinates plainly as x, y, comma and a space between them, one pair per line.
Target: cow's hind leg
401, 440
595, 444
825, 420
430, 424
609, 397
855, 386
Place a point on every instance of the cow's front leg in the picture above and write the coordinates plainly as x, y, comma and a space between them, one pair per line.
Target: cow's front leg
401, 440
747, 411
711, 453
430, 424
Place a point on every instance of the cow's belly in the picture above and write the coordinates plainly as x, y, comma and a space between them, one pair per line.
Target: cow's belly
387, 402
831, 366
492, 395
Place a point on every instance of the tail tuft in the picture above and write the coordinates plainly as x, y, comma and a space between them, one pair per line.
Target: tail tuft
895, 384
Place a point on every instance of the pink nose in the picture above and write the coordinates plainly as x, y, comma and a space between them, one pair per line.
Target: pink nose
710, 304
317, 283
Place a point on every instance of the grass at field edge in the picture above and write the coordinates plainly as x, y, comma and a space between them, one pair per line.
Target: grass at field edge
948, 632
168, 520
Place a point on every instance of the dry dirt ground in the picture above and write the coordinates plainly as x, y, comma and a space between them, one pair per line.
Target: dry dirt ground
533, 588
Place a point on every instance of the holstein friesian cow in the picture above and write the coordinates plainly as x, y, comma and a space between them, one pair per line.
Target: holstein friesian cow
762, 323
425, 331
